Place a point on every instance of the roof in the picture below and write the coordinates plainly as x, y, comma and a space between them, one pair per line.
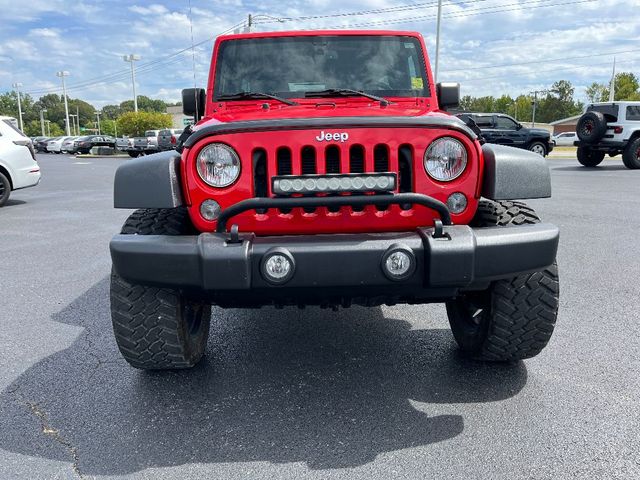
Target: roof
313, 33
566, 120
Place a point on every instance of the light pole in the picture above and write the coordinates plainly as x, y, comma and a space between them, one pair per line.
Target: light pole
42, 120
61, 74
48, 122
17, 87
131, 58
73, 123
438, 38
98, 115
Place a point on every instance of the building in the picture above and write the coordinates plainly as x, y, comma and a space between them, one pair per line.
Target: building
565, 125
179, 119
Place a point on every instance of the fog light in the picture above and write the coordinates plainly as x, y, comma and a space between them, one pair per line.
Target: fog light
457, 202
278, 266
210, 210
398, 263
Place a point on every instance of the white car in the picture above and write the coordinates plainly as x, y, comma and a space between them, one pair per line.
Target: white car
55, 144
18, 165
67, 145
565, 139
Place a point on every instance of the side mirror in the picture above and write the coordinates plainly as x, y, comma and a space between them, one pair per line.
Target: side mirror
193, 100
519, 126
448, 95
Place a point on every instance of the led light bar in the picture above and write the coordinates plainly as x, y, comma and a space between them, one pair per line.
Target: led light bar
334, 183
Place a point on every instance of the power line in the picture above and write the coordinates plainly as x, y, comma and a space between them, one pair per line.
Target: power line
472, 12
121, 75
394, 9
543, 60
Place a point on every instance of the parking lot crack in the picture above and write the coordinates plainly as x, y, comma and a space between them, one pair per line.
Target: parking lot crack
51, 432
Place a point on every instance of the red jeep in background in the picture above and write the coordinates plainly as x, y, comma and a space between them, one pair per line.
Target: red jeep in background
324, 170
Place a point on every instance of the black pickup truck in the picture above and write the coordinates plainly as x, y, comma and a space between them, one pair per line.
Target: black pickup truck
504, 130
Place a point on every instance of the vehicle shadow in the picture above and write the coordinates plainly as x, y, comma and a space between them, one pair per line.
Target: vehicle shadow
12, 202
331, 389
580, 168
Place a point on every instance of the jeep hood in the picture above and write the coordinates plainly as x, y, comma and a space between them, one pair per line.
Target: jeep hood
329, 108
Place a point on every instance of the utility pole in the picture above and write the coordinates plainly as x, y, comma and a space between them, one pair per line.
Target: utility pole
131, 58
78, 119
438, 38
612, 86
42, 120
249, 24
17, 87
63, 74
73, 123
535, 105
48, 122
98, 115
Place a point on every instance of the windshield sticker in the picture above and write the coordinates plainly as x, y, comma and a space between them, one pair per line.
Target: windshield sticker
416, 83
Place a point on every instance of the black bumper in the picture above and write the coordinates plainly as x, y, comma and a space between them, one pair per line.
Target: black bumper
336, 265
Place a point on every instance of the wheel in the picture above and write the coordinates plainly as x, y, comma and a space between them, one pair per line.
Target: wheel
589, 157
5, 189
591, 127
513, 319
631, 154
539, 148
158, 328
133, 154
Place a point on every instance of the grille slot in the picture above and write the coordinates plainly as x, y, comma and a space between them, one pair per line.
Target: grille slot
308, 161
381, 158
405, 172
283, 156
260, 177
356, 159
332, 159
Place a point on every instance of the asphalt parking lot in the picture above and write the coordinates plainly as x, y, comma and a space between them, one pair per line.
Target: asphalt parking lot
314, 394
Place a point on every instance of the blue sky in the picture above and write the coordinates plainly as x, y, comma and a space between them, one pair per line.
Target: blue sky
491, 47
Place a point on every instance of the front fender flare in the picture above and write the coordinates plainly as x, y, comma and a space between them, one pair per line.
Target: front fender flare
151, 181
512, 173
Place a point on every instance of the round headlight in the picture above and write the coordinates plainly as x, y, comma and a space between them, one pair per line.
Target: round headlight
218, 165
445, 159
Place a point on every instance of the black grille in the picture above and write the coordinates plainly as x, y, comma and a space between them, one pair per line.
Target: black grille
283, 156
356, 159
332, 158
381, 158
308, 160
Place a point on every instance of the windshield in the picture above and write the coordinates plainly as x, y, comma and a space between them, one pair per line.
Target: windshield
391, 66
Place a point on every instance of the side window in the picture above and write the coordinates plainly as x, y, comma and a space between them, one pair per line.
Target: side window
504, 123
633, 112
483, 121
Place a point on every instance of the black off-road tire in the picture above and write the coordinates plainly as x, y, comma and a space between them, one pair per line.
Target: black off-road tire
591, 127
539, 148
589, 157
631, 154
513, 319
5, 189
133, 154
158, 328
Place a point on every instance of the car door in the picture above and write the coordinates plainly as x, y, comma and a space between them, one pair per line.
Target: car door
487, 126
508, 131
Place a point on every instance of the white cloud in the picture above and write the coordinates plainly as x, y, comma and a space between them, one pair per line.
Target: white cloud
89, 39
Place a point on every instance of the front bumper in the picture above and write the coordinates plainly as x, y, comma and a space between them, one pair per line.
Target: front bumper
330, 267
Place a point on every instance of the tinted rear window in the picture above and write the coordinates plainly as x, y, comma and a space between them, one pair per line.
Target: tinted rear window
633, 112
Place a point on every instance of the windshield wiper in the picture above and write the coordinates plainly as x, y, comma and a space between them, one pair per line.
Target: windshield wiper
347, 92
250, 95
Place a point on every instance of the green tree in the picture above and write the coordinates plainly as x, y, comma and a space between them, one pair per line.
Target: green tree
597, 92
135, 124
145, 104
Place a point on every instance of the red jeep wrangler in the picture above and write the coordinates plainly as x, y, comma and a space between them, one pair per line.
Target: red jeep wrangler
324, 170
